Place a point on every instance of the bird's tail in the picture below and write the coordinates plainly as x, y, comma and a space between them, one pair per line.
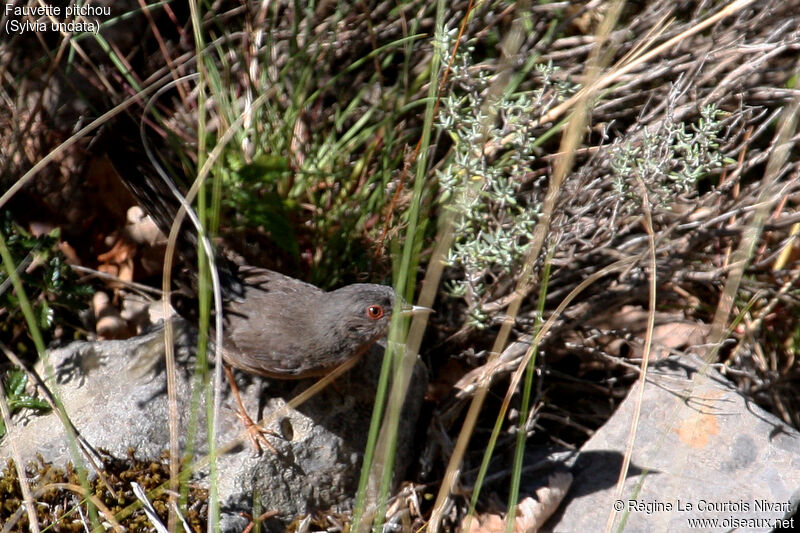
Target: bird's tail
157, 193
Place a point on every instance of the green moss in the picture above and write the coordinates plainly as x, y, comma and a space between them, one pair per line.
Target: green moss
58, 508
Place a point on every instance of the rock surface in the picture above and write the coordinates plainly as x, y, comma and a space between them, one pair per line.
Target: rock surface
702, 451
115, 394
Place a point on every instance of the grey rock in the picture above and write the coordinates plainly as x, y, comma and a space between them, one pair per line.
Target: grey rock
115, 394
702, 451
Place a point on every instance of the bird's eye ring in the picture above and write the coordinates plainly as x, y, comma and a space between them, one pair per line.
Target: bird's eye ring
375, 312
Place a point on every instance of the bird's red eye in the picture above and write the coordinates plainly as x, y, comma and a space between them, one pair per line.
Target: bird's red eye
375, 312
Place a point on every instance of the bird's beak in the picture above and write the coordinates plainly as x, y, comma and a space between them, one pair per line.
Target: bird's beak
411, 310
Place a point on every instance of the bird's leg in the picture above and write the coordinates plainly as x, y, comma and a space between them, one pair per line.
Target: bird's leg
256, 433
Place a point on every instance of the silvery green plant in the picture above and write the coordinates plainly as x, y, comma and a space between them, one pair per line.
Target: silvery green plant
669, 160
494, 216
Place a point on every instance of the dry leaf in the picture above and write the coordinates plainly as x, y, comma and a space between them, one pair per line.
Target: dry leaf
672, 331
532, 512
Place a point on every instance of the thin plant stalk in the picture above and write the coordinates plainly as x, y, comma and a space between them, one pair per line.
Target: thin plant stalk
524, 409
404, 286
648, 343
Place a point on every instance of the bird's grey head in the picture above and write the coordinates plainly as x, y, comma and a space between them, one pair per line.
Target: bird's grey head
362, 310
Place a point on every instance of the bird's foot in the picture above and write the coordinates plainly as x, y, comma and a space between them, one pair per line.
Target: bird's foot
257, 434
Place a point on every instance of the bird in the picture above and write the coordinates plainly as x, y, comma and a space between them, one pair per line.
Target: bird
273, 325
